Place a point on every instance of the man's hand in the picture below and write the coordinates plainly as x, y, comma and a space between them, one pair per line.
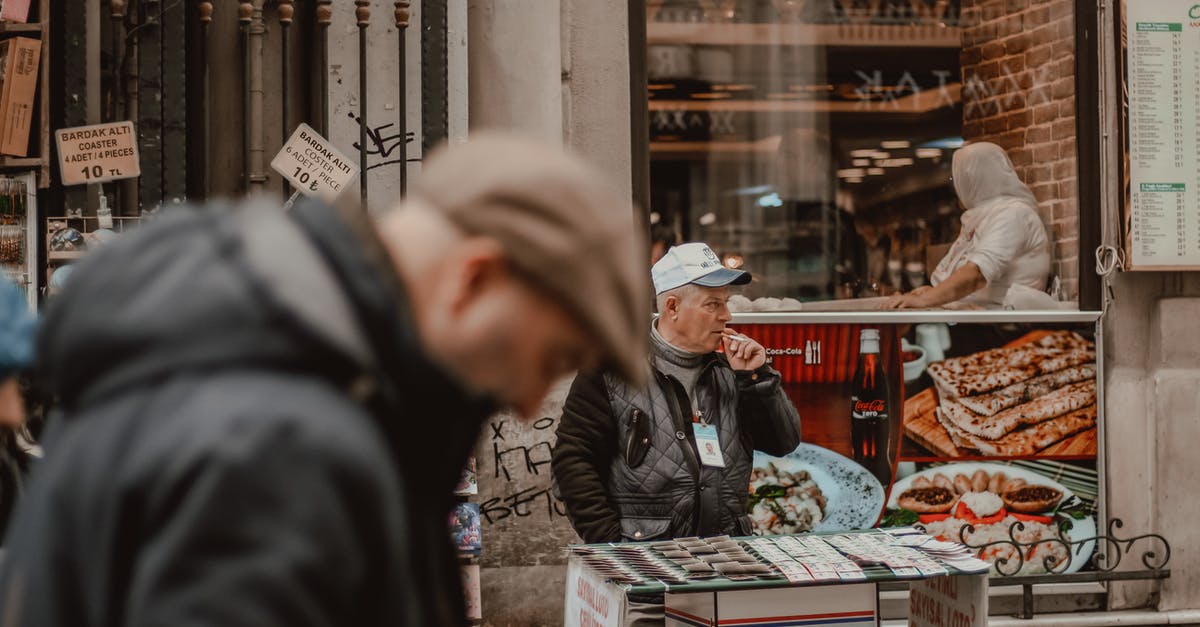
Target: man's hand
743, 353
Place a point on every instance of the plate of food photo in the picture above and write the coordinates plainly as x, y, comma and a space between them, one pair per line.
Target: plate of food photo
993, 498
812, 489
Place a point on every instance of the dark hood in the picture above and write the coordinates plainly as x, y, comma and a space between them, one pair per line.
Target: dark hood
223, 287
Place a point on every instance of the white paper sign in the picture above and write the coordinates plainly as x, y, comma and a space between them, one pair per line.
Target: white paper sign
1163, 62
953, 601
98, 153
313, 166
591, 602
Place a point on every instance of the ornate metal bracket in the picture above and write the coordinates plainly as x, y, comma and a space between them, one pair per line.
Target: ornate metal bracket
1116, 548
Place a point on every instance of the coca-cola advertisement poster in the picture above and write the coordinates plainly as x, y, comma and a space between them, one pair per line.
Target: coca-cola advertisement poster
939, 425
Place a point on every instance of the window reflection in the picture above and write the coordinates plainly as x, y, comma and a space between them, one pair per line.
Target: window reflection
812, 140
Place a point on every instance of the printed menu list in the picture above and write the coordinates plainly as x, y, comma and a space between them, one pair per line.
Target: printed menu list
1164, 118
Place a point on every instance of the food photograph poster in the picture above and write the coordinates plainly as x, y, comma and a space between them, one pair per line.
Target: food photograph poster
981, 433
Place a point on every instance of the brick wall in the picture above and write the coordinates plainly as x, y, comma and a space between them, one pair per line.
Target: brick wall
1018, 70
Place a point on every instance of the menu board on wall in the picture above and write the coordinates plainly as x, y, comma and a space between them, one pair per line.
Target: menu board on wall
1163, 74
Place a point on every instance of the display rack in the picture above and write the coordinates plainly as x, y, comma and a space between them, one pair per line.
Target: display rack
20, 263
40, 163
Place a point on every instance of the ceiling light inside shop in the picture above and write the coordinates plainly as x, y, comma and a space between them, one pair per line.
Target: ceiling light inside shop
854, 180
660, 86
770, 200
896, 163
734, 261
721, 95
655, 218
949, 143
865, 152
851, 172
899, 144
875, 171
879, 154
861, 163
708, 219
929, 153
753, 190
734, 87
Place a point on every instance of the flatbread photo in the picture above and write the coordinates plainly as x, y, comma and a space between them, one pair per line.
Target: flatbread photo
1035, 396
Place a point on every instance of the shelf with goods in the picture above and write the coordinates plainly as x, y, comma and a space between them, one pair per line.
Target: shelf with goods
90, 229
18, 232
39, 161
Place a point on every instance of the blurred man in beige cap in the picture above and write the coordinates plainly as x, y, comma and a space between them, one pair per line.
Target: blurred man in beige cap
264, 414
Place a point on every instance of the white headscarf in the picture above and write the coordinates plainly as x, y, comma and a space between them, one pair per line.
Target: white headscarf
982, 172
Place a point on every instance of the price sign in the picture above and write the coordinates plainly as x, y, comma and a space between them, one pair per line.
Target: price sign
98, 153
313, 166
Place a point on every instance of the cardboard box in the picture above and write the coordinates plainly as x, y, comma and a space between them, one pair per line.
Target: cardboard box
19, 57
15, 11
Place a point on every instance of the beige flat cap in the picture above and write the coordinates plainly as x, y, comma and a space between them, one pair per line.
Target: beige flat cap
560, 224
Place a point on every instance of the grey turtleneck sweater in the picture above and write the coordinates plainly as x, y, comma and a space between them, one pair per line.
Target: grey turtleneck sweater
672, 360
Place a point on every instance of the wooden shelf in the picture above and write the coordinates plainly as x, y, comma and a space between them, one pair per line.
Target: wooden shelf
20, 162
13, 27
838, 35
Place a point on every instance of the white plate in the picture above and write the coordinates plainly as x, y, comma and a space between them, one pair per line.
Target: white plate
1085, 528
853, 496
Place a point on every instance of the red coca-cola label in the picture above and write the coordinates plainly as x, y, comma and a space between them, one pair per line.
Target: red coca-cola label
876, 405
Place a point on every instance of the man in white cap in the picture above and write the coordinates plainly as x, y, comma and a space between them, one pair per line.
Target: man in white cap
672, 458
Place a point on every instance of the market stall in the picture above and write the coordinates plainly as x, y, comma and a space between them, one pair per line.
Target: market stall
819, 579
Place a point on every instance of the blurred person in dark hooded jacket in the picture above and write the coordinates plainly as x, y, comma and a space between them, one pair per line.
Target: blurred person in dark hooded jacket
16, 354
263, 415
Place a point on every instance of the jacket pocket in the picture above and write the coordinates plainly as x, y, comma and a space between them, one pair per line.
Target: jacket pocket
637, 441
744, 526
639, 529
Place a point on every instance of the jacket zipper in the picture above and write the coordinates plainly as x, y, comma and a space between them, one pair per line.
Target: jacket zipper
674, 397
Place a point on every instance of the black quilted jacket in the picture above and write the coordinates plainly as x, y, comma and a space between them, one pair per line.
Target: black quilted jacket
626, 464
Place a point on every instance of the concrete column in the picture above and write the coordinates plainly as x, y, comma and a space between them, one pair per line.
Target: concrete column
515, 67
559, 72
595, 75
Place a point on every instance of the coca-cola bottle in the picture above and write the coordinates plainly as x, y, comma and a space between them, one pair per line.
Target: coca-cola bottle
869, 419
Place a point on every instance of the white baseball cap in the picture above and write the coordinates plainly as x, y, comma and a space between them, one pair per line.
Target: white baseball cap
694, 263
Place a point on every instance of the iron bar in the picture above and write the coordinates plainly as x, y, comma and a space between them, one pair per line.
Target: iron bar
435, 125
116, 109
285, 20
245, 10
151, 117
324, 18
402, 16
258, 176
174, 103
206, 13
363, 14
118, 19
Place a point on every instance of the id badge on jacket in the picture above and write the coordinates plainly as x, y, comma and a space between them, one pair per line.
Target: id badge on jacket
708, 445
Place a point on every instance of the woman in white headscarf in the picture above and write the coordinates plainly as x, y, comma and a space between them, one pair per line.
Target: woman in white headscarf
1002, 254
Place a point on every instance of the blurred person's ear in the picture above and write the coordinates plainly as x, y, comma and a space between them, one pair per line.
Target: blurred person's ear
12, 404
478, 264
